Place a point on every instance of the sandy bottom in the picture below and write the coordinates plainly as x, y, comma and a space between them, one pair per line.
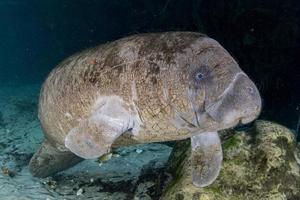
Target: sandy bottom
131, 173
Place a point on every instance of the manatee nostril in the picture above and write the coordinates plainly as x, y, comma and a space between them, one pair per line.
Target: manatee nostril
250, 90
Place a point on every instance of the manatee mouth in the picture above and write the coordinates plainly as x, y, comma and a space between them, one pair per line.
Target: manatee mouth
243, 127
246, 120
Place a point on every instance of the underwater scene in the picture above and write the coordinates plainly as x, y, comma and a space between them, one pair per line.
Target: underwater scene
149, 100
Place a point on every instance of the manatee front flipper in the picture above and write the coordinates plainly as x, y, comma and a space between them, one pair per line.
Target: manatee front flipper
207, 158
91, 139
49, 160
94, 136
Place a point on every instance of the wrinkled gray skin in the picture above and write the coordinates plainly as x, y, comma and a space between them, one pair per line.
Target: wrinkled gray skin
140, 89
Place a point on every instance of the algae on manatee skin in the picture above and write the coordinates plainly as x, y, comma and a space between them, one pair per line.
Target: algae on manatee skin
258, 164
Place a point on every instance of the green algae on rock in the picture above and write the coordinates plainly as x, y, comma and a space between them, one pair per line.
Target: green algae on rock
258, 163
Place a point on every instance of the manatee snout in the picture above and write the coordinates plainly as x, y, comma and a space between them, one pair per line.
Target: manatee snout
239, 103
248, 99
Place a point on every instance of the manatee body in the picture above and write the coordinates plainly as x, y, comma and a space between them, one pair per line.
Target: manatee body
140, 89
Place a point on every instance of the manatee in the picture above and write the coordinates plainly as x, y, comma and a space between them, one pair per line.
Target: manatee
144, 88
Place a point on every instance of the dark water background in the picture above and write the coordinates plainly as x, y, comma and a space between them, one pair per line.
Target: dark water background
263, 35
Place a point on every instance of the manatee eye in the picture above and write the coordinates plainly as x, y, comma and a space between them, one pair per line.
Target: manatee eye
199, 76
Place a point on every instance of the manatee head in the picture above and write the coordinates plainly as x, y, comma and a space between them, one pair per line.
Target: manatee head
220, 93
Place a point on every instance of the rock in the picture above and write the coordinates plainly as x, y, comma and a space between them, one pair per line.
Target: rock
259, 163
139, 151
79, 192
